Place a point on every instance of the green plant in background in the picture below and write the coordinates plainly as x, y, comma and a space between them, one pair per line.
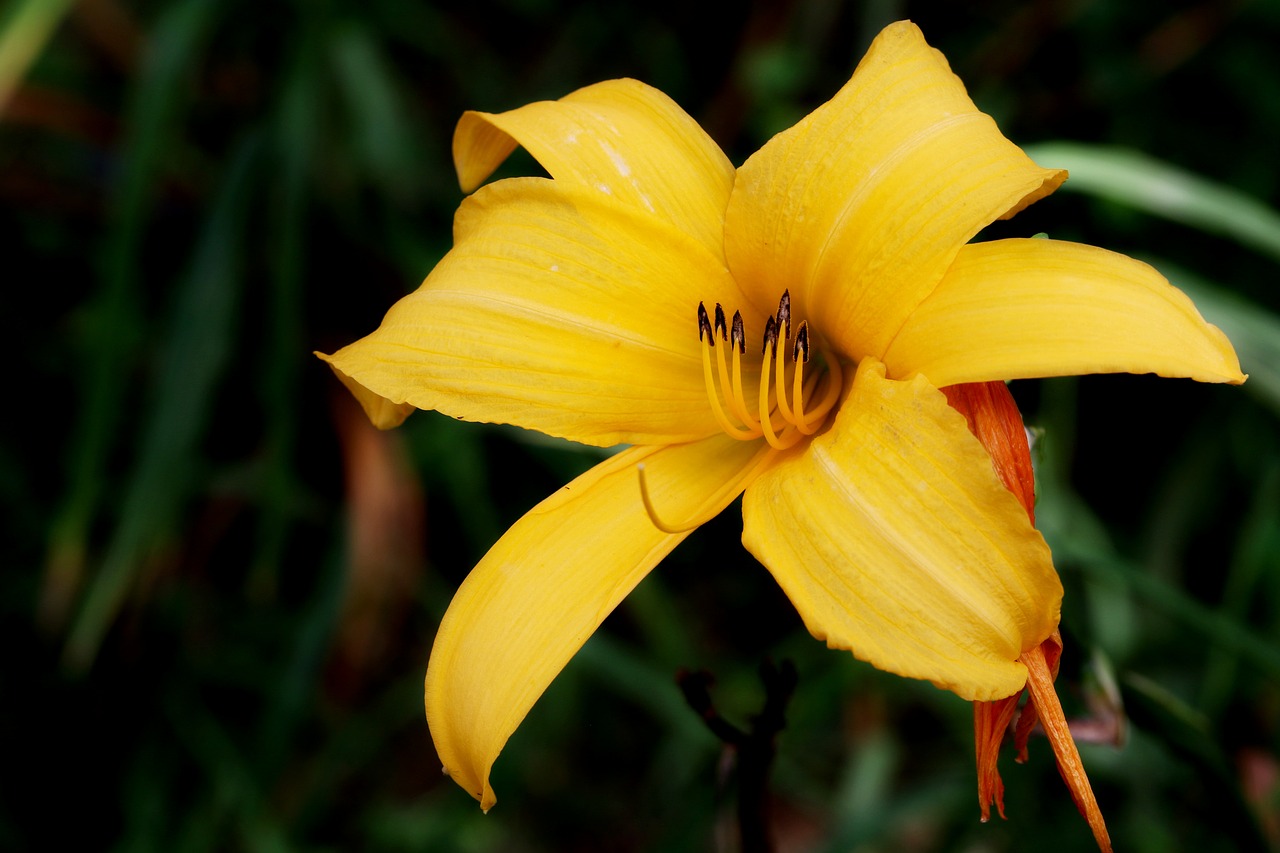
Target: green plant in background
224, 629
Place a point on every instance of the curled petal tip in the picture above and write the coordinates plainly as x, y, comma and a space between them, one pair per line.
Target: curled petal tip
383, 413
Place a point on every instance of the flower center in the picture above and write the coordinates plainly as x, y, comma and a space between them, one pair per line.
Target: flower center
783, 409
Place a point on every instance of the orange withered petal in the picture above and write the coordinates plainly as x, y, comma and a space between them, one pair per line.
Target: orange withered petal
990, 722
994, 418
1049, 709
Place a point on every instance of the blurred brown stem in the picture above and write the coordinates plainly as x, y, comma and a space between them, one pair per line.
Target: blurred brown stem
755, 748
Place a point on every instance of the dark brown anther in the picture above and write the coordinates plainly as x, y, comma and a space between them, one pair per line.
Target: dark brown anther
739, 333
770, 336
704, 325
784, 315
800, 349
721, 328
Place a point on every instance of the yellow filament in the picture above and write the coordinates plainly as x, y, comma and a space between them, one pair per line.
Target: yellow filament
724, 379
766, 419
738, 399
780, 379
780, 417
714, 395
809, 423
788, 436
798, 394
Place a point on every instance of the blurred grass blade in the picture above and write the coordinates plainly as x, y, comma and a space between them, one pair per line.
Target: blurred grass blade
293, 136
1189, 735
1252, 329
190, 365
112, 325
381, 136
1218, 628
292, 701
1134, 179
1257, 547
26, 28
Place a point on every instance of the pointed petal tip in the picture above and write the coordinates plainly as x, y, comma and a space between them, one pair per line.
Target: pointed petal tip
1027, 307
382, 412
485, 797
867, 253
620, 137
549, 582
478, 149
1050, 181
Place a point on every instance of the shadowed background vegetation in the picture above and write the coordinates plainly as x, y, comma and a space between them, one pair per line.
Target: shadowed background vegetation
220, 584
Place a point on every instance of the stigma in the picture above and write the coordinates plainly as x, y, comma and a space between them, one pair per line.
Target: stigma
783, 410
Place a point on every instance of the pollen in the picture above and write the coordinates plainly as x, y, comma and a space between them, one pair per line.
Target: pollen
793, 395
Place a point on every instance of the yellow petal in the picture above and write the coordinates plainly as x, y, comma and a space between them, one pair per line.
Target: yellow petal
894, 539
1011, 309
549, 582
383, 413
557, 310
619, 137
861, 207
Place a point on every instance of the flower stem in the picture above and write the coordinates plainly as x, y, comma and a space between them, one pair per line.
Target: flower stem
755, 748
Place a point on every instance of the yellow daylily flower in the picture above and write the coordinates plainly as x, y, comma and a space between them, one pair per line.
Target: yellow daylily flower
625, 301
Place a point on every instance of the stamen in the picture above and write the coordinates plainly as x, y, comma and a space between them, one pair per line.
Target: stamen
766, 422
722, 364
798, 390
809, 423
800, 349
704, 326
713, 394
737, 401
779, 413
739, 338
780, 379
788, 437
770, 336
733, 390
799, 355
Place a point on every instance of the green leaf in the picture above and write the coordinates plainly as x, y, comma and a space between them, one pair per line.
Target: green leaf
1158, 188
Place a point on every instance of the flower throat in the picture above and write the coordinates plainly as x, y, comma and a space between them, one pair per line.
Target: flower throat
779, 411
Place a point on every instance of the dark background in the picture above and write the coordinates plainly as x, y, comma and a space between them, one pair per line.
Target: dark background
220, 586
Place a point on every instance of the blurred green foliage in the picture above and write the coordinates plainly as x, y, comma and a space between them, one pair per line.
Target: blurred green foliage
221, 586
